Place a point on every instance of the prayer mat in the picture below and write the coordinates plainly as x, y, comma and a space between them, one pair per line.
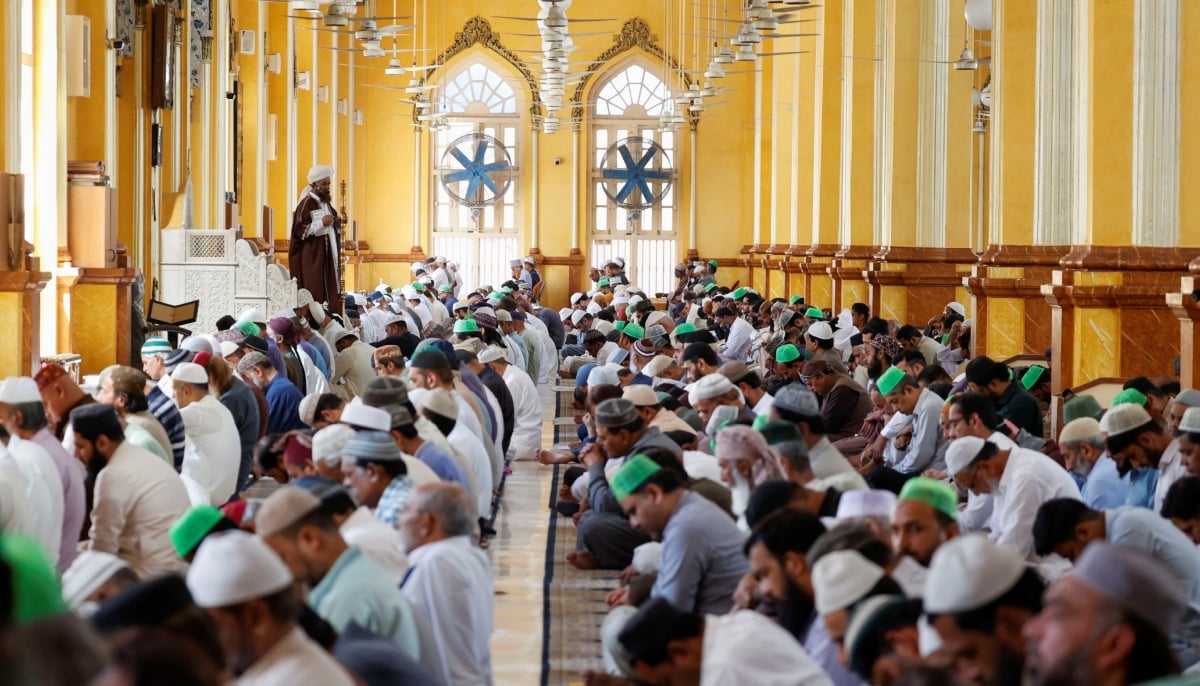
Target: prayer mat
573, 605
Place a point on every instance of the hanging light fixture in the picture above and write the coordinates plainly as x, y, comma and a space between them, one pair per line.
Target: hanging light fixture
966, 60
724, 56
714, 71
745, 54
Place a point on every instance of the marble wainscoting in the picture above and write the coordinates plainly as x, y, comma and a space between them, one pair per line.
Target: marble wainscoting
20, 319
1012, 315
914, 284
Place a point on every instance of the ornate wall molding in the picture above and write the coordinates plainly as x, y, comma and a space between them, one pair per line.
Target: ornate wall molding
1157, 35
1060, 186
932, 118
635, 33
478, 31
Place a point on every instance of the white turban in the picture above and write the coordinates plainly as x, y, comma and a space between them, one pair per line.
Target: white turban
318, 172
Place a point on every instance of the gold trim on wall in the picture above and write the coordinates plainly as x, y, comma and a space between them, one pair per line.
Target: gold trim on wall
478, 31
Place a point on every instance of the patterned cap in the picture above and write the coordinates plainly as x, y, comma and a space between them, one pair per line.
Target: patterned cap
387, 352
888, 345
48, 374
156, 346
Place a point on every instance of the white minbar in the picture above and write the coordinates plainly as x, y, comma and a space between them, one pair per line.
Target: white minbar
226, 274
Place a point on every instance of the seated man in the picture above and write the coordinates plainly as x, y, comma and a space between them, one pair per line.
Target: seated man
925, 408
844, 403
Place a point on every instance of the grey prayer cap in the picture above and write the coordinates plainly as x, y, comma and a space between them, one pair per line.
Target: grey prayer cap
616, 412
385, 390
1188, 398
798, 399
1140, 583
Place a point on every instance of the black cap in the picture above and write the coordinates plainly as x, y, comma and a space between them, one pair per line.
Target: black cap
431, 358
255, 343
150, 603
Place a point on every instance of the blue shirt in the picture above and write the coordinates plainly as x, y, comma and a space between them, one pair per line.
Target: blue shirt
167, 414
393, 500
283, 405
1142, 484
702, 560
442, 464
1104, 489
356, 589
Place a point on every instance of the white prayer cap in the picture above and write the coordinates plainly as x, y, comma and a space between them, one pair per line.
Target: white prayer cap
317, 311
228, 348
577, 316
19, 389
252, 314
308, 408
721, 415
190, 372
395, 319
593, 308
635, 299
503, 316
329, 444
234, 567
410, 293
318, 172
283, 508
362, 416
576, 297
710, 386
90, 570
416, 266
460, 305
842, 578
196, 344
1088, 427
968, 572
604, 326
640, 395
962, 452
564, 314
862, 503
698, 269
490, 354
1137, 581
603, 376
957, 308
821, 330
621, 300
1123, 419
1188, 398
657, 365
440, 402
845, 319
528, 260
1189, 424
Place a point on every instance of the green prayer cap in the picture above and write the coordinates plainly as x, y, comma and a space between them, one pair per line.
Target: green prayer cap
418, 286
1129, 396
814, 313
1032, 376
187, 531
620, 325
889, 380
602, 282
444, 288
710, 288
775, 431
495, 295
36, 592
1081, 406
739, 293
712, 263
945, 338
796, 299
248, 328
686, 327
662, 396
787, 353
937, 494
506, 290
634, 331
466, 326
632, 475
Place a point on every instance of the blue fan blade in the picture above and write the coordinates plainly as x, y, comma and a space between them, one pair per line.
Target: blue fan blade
472, 189
455, 177
646, 157
462, 159
625, 191
645, 188
494, 166
656, 174
616, 174
624, 151
487, 181
481, 150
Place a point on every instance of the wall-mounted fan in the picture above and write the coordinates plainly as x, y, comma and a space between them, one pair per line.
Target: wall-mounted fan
636, 173
478, 170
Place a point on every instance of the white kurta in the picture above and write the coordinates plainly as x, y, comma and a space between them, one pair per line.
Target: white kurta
39, 509
213, 451
467, 438
744, 647
296, 659
450, 585
527, 415
1030, 479
380, 542
314, 380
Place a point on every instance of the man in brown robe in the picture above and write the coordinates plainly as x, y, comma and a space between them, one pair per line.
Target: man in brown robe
313, 249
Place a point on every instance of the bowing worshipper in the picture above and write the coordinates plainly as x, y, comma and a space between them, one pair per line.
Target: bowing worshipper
360, 528
400, 335
796, 404
666, 644
1107, 622
439, 407
296, 454
60, 394
197, 524
882, 641
430, 371
745, 461
125, 389
410, 442
750, 384
312, 378
320, 411
154, 353
698, 361
136, 497
527, 405
606, 539
925, 517
925, 408
93, 578
1133, 438
713, 391
1068, 528
390, 395
789, 363
1182, 507
1019, 481
780, 577
449, 582
43, 490
375, 471
136, 432
1084, 454
1171, 467
650, 408
389, 361
312, 342
346, 585
1013, 402
841, 581
315, 238
283, 398
844, 403
238, 397
213, 451
468, 358
978, 597
24, 418
352, 369
249, 592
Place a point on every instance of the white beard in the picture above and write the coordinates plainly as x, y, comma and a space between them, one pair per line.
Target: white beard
741, 494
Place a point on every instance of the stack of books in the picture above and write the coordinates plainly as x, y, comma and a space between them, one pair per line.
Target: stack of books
86, 173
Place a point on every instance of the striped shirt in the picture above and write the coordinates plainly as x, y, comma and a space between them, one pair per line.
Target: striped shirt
167, 414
